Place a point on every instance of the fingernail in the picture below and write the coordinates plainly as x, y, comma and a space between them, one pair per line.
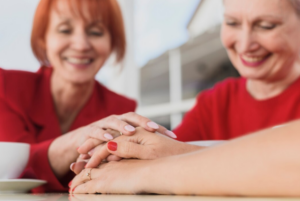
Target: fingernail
81, 156
73, 189
153, 125
129, 128
108, 136
112, 146
91, 152
70, 184
171, 134
71, 166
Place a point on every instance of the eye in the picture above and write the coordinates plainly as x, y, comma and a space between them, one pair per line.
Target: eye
231, 23
266, 25
96, 32
64, 29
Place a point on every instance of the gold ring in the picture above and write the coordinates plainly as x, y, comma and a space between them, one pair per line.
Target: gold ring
89, 175
121, 133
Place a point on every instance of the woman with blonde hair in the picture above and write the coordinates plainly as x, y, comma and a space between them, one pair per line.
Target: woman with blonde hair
263, 43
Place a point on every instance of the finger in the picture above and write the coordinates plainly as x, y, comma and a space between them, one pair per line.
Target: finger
90, 187
113, 158
78, 166
83, 177
126, 149
98, 156
115, 123
83, 157
140, 121
89, 145
94, 131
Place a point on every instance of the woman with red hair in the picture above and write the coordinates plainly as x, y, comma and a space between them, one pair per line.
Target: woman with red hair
50, 109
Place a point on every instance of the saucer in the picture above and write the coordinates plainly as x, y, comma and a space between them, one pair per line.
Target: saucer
8, 186
206, 143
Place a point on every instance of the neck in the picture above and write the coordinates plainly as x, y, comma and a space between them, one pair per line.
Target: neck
265, 89
69, 98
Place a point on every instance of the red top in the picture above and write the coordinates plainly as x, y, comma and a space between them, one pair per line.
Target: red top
227, 111
28, 115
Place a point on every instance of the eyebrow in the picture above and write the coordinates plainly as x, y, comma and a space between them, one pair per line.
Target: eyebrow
260, 17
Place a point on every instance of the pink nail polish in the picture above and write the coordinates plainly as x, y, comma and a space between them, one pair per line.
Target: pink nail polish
129, 128
171, 134
91, 152
108, 136
71, 166
153, 125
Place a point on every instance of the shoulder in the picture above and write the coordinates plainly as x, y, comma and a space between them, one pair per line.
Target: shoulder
115, 102
18, 86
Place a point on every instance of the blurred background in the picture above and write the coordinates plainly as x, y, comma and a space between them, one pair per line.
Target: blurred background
174, 52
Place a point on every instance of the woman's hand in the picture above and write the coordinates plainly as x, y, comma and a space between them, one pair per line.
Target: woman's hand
124, 124
143, 145
112, 177
113, 126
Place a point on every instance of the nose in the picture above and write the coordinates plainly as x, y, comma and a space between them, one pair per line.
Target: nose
246, 42
80, 41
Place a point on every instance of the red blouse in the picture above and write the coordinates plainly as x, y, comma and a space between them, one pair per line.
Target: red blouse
227, 111
28, 115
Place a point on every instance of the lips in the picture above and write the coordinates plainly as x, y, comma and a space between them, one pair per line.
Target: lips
79, 61
254, 61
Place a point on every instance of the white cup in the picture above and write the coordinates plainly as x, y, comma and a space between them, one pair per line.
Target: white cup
13, 159
206, 143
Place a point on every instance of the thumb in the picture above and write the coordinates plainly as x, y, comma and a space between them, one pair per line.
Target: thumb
126, 149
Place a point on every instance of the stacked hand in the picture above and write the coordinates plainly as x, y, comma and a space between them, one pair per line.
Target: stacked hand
95, 136
142, 145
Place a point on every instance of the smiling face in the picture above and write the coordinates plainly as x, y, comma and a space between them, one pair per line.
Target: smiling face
262, 37
76, 46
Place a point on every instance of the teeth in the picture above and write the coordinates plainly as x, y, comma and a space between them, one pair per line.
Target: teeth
79, 61
252, 59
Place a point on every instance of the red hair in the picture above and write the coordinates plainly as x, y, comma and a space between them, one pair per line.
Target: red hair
107, 10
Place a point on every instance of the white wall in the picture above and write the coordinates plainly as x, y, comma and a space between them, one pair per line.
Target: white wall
15, 28
207, 16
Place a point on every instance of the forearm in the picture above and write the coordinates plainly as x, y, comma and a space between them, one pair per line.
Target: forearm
266, 163
184, 148
62, 152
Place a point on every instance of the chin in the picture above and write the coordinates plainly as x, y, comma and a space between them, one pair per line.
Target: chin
80, 79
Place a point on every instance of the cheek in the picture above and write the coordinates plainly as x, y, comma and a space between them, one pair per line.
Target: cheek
103, 47
54, 46
274, 43
227, 37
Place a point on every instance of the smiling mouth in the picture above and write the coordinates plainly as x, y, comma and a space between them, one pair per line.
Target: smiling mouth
77, 61
254, 61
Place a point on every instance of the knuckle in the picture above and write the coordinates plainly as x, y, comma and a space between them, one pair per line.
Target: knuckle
127, 149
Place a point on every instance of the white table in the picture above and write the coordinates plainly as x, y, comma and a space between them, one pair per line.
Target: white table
84, 197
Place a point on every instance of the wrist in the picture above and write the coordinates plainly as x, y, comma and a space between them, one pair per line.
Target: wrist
187, 148
151, 176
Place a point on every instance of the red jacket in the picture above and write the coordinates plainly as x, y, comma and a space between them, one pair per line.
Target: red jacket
228, 111
27, 115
